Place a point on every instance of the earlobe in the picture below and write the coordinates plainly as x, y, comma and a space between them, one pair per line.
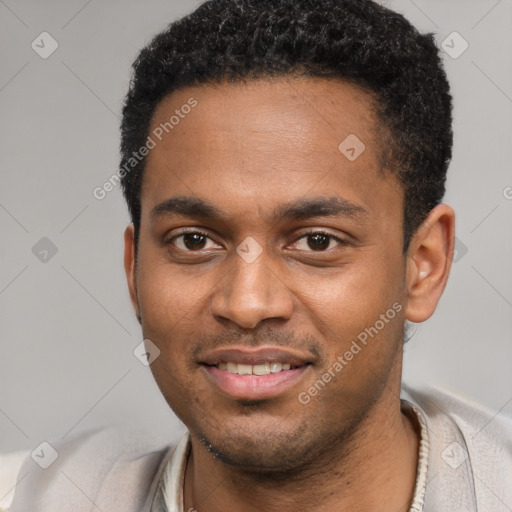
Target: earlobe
130, 267
429, 262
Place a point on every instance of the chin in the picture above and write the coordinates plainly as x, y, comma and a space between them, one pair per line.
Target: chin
269, 452
258, 456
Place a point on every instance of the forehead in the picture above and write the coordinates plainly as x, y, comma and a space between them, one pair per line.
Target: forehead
298, 110
257, 144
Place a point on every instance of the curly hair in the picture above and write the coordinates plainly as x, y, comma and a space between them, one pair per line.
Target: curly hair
358, 41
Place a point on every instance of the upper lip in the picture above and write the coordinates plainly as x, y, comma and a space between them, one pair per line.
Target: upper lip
254, 355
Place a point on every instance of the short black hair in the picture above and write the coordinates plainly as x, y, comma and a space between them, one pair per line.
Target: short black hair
358, 41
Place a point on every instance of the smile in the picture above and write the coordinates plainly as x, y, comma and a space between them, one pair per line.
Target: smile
254, 373
255, 369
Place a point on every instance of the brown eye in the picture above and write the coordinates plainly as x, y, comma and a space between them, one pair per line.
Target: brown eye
192, 241
319, 241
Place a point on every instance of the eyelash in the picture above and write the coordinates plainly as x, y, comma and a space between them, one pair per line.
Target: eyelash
303, 235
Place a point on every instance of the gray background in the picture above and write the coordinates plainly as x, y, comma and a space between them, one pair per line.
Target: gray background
67, 327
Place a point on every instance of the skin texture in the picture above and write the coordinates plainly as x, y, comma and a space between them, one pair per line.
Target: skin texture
248, 149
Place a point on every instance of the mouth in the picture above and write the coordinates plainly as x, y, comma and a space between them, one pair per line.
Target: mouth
255, 369
258, 374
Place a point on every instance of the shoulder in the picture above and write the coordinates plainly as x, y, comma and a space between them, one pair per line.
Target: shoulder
470, 416
470, 448
110, 466
10, 464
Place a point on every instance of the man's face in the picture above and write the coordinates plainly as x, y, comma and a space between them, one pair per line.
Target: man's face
260, 277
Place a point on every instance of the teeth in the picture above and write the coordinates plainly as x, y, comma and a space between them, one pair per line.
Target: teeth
261, 369
254, 369
276, 367
244, 369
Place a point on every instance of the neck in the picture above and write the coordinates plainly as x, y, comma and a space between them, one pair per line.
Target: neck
377, 466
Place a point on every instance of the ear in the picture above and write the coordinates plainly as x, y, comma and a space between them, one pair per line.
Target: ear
429, 260
130, 267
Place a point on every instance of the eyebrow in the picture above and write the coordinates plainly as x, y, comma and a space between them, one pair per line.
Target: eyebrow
319, 207
300, 209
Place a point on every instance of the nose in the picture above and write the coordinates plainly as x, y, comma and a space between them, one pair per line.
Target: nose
251, 292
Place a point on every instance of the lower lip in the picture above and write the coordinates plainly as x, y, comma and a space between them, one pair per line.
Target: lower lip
254, 387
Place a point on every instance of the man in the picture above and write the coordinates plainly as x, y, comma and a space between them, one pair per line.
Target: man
284, 165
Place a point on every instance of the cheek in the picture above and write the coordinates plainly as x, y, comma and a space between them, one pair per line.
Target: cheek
167, 296
171, 307
353, 298
359, 315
